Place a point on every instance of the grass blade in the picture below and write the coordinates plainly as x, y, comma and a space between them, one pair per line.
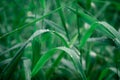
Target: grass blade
6, 73
87, 35
63, 38
110, 32
55, 26
36, 49
103, 73
54, 65
29, 24
42, 3
103, 27
51, 52
10, 49
90, 20
27, 65
10, 67
62, 18
58, 59
73, 41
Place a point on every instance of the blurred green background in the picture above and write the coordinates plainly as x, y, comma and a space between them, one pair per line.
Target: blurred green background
99, 57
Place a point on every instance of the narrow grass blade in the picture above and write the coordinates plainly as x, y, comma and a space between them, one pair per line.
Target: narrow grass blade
110, 32
17, 57
68, 63
50, 53
27, 69
4, 62
68, 73
102, 9
6, 73
78, 21
115, 70
10, 49
10, 67
87, 35
73, 41
70, 69
62, 37
61, 55
90, 20
55, 26
39, 32
62, 18
103, 74
105, 29
58, 59
54, 65
36, 49
42, 61
29, 24
42, 2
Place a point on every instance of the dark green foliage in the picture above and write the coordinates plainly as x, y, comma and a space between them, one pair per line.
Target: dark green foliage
59, 40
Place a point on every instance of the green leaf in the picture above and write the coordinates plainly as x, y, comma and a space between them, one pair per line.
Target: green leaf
55, 26
62, 37
10, 67
29, 24
85, 17
115, 70
50, 53
36, 49
87, 35
11, 49
88, 4
27, 69
58, 2
110, 32
103, 73
6, 73
73, 41
54, 65
42, 2
105, 29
